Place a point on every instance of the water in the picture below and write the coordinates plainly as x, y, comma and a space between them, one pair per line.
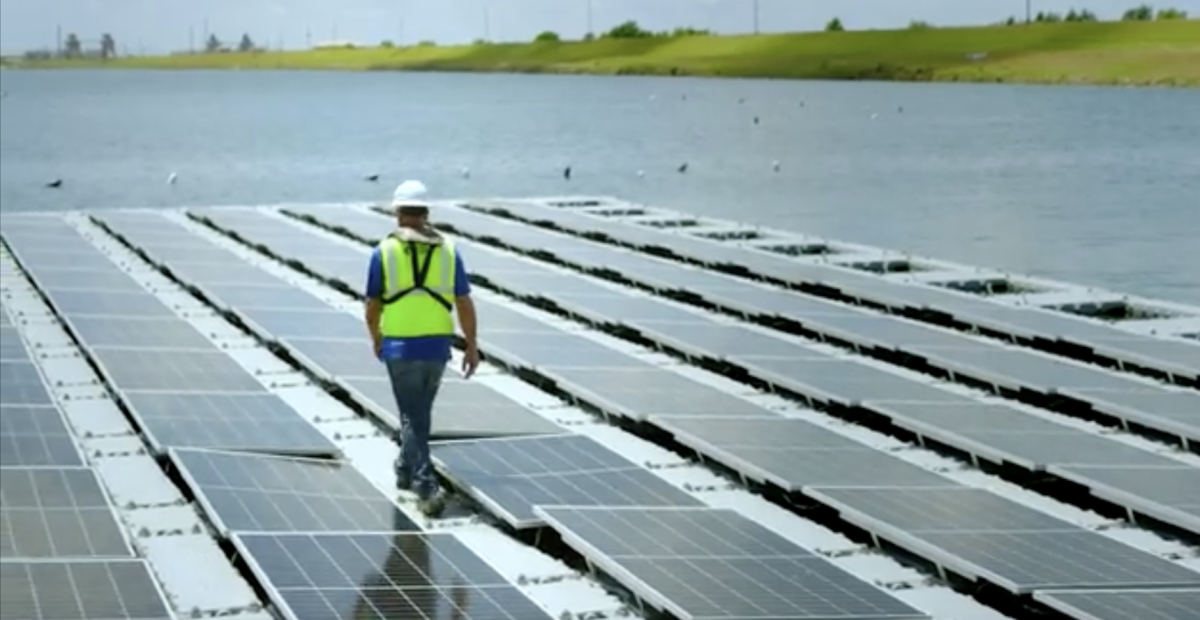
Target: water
1095, 186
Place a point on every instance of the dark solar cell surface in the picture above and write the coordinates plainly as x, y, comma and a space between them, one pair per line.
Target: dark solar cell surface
110, 303
640, 390
36, 436
56, 512
382, 577
275, 296
134, 333
304, 324
23, 384
515, 475
562, 350
339, 358
11, 345
247, 493
194, 370
100, 278
80, 590
842, 380
712, 563
1157, 604
260, 422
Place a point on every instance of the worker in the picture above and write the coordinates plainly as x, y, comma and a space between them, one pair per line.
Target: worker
416, 281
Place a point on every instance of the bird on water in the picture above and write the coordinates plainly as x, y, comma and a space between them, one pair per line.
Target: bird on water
567, 173
55, 184
372, 177
682, 168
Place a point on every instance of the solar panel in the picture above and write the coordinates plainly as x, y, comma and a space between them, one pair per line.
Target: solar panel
134, 333
253, 493
81, 590
982, 535
35, 261
759, 299
418, 576
1155, 604
502, 318
462, 409
1174, 356
561, 350
277, 295
512, 476
194, 370
640, 390
57, 512
79, 303
1171, 494
300, 324
1016, 368
23, 384
712, 339
80, 279
11, 345
794, 454
1145, 404
337, 358
966, 414
212, 274
717, 564
617, 307
1028, 561
885, 331
840, 380
943, 510
258, 422
36, 436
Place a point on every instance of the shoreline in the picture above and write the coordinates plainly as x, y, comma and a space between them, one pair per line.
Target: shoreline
1163, 53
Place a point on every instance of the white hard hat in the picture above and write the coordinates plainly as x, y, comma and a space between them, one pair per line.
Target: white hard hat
407, 192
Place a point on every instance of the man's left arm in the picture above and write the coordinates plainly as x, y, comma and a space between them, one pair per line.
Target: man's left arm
373, 296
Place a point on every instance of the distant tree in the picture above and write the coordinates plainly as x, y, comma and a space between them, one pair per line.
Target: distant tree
1170, 14
73, 47
108, 46
1082, 15
690, 32
1143, 13
835, 25
427, 43
1047, 18
1011, 21
919, 25
547, 36
589, 36
481, 41
628, 30
213, 44
387, 44
246, 44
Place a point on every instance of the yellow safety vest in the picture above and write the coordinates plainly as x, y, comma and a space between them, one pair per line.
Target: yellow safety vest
418, 288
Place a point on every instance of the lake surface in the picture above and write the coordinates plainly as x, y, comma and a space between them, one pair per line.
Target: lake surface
1095, 186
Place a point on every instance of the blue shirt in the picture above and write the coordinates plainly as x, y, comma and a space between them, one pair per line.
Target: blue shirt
426, 348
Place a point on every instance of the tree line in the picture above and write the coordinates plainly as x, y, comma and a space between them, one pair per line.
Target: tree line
631, 30
214, 45
72, 47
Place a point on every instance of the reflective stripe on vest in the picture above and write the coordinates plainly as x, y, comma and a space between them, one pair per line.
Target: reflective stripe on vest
418, 288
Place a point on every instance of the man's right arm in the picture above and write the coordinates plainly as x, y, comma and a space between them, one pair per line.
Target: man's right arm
373, 294
463, 304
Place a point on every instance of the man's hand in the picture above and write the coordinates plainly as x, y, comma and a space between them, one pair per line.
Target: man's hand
470, 362
377, 346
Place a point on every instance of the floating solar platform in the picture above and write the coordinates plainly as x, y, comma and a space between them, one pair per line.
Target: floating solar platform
422, 576
715, 564
511, 477
251, 493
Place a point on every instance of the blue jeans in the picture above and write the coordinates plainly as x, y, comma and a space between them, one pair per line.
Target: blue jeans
415, 385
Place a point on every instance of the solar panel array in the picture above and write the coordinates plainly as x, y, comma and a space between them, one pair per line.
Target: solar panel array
716, 564
63, 553
797, 455
1179, 358
513, 476
1165, 409
324, 339
167, 373
1173, 604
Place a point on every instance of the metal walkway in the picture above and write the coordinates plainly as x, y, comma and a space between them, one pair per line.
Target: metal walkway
230, 339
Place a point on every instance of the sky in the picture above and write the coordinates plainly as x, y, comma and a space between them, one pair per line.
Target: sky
159, 26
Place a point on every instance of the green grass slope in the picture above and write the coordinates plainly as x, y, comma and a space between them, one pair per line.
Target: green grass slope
1144, 53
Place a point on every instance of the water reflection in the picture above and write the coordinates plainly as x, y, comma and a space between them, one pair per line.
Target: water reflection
408, 586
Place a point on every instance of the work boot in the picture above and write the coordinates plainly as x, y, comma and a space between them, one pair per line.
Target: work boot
432, 506
403, 481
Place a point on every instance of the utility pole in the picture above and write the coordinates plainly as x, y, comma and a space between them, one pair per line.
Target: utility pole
191, 40
1028, 11
334, 32
590, 29
487, 25
58, 46
755, 16
308, 38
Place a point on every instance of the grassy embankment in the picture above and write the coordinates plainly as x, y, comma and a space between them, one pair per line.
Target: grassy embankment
1143, 53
